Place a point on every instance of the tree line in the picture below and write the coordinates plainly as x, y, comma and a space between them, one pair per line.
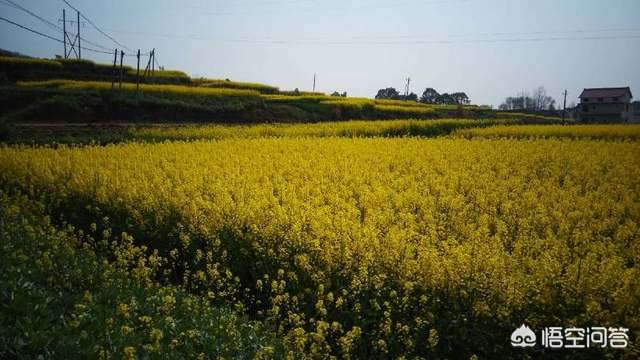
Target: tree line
538, 100
429, 96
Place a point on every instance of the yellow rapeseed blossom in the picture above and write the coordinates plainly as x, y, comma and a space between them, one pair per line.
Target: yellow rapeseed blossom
383, 236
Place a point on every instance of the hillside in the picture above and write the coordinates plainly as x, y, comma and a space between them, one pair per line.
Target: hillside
81, 91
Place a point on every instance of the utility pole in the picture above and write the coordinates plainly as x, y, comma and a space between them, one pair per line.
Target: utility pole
314, 82
138, 73
64, 30
121, 57
115, 60
150, 68
564, 107
79, 46
406, 88
69, 45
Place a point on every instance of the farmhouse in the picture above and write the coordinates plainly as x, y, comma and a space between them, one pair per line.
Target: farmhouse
605, 105
636, 111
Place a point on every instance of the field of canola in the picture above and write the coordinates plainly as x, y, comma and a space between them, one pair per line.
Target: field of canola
370, 248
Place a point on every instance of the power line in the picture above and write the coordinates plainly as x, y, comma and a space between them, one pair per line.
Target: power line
381, 40
49, 23
20, 7
96, 27
49, 36
31, 30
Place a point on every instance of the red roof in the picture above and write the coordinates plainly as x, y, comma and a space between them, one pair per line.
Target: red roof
605, 92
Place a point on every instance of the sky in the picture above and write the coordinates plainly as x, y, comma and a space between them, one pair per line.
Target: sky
489, 49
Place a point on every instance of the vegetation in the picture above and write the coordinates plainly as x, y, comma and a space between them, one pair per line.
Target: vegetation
66, 293
100, 102
537, 101
431, 96
228, 84
362, 248
28, 69
382, 128
393, 94
173, 90
539, 119
601, 132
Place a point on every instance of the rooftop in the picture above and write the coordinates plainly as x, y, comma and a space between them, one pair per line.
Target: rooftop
606, 92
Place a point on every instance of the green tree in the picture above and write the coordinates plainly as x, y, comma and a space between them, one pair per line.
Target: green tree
429, 96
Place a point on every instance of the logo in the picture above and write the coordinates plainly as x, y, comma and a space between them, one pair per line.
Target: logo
572, 337
523, 337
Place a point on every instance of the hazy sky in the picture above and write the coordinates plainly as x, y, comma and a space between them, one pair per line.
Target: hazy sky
488, 48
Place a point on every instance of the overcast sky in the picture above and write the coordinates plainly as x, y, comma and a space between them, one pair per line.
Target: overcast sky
488, 48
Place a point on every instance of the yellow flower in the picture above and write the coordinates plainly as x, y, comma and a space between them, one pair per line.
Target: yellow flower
129, 353
156, 335
168, 302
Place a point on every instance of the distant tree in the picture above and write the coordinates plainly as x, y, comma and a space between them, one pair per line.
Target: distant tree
445, 99
344, 94
410, 97
539, 101
388, 93
336, 94
460, 98
429, 96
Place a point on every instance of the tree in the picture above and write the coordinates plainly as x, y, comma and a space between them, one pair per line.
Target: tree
460, 98
539, 101
445, 99
429, 96
388, 93
336, 94
411, 97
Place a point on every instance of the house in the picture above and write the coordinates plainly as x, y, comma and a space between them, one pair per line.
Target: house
636, 111
605, 105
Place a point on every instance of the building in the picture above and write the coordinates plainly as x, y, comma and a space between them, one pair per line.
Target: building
636, 111
605, 105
